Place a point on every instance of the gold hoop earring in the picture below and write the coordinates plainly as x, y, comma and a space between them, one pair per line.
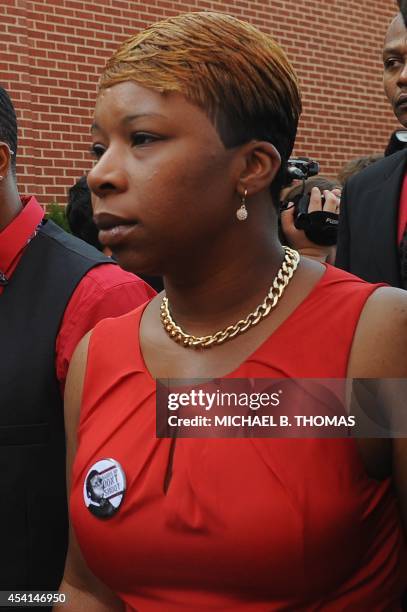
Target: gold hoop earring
241, 212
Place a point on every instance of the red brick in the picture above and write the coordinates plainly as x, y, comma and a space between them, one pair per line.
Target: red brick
53, 53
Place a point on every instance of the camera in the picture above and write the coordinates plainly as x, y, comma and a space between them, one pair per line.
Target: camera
321, 227
301, 168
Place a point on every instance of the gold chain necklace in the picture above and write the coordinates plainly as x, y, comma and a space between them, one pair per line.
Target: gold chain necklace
281, 280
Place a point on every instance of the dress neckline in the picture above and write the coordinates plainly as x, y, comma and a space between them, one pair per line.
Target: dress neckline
233, 374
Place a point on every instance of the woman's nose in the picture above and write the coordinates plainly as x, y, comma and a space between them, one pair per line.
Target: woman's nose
107, 176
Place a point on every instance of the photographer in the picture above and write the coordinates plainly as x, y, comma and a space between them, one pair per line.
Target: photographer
316, 194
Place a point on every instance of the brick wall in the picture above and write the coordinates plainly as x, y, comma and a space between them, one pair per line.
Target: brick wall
53, 51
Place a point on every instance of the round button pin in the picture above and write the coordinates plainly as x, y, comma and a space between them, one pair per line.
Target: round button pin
104, 487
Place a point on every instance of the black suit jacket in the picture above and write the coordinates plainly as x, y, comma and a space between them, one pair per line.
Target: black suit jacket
367, 239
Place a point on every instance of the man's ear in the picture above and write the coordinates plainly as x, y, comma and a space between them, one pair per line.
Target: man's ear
262, 161
5, 159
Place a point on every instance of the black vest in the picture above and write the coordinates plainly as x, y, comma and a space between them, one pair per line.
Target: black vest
33, 516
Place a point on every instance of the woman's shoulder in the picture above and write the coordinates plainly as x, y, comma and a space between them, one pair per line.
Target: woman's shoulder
114, 345
122, 323
345, 281
335, 301
380, 344
341, 294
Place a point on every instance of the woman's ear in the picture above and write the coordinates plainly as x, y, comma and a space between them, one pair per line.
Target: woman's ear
262, 162
5, 159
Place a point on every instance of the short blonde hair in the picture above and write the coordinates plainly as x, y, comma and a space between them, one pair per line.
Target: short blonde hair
239, 76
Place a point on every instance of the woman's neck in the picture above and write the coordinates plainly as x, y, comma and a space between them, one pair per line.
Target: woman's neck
225, 286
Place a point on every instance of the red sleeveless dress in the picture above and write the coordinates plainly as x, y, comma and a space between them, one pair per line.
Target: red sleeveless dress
245, 524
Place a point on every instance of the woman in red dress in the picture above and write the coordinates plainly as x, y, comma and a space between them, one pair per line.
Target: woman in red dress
194, 122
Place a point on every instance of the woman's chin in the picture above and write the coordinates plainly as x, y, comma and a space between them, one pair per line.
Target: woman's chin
136, 264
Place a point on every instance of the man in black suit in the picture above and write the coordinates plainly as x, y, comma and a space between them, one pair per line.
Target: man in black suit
372, 241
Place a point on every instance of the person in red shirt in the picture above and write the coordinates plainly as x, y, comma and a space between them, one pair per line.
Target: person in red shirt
54, 288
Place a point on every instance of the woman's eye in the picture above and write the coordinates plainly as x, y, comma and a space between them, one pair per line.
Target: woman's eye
391, 62
97, 150
142, 138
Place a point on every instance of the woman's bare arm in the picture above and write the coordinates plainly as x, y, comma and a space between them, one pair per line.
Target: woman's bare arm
82, 589
379, 352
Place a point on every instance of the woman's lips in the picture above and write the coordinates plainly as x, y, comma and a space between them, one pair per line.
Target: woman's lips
113, 229
113, 236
